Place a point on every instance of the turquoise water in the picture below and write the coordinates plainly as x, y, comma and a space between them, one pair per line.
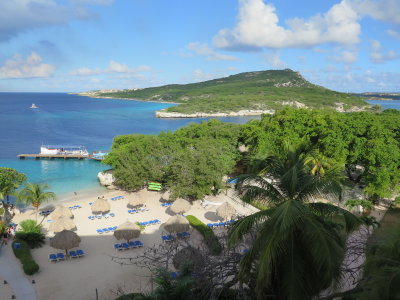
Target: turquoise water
72, 120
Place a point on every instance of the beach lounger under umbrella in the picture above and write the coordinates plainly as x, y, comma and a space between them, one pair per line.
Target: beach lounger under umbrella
226, 211
100, 206
180, 206
65, 240
177, 224
62, 223
61, 211
127, 231
136, 200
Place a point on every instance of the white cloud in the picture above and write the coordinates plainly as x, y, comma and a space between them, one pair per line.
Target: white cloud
258, 27
205, 50
19, 16
347, 57
31, 67
113, 67
393, 34
378, 56
383, 10
274, 60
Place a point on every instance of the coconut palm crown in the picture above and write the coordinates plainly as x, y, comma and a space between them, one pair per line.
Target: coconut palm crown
298, 245
35, 194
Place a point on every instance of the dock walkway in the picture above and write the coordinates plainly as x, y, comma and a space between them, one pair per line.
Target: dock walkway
51, 156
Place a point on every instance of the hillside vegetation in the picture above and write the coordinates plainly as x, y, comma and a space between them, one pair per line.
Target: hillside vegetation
261, 90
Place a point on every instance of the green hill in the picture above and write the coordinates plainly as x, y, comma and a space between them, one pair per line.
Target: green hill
261, 90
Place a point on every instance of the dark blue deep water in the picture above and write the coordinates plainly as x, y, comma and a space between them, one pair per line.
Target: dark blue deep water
72, 120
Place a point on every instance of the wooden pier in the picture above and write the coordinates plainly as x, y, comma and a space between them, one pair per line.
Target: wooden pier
52, 156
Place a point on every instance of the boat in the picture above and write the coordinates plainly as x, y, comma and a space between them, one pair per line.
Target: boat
64, 150
98, 155
34, 106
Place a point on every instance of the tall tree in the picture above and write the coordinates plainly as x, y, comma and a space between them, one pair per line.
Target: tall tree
10, 180
35, 194
299, 246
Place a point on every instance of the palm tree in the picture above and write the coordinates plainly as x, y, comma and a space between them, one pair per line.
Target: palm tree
34, 194
298, 246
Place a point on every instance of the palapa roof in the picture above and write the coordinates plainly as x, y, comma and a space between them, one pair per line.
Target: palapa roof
136, 200
100, 206
180, 206
62, 223
65, 240
127, 231
61, 211
226, 210
177, 223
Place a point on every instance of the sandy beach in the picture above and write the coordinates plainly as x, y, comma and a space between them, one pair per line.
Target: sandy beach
79, 278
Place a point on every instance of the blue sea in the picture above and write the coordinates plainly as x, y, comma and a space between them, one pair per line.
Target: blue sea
67, 119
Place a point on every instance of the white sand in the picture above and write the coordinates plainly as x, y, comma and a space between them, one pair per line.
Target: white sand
79, 278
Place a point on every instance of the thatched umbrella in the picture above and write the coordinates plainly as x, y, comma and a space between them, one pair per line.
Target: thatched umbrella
165, 196
188, 255
62, 223
226, 211
136, 201
100, 206
127, 231
180, 206
61, 211
65, 240
177, 224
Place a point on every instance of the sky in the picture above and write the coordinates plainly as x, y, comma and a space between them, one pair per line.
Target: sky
81, 45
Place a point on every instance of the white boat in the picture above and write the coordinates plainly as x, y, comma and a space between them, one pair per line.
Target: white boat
33, 106
63, 150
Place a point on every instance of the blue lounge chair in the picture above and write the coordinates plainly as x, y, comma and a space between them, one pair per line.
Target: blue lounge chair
174, 275
60, 256
157, 221
112, 214
164, 238
90, 203
221, 224
52, 257
80, 253
98, 216
105, 230
117, 247
138, 244
99, 231
152, 222
111, 229
72, 254
210, 225
91, 218
124, 246
132, 244
146, 223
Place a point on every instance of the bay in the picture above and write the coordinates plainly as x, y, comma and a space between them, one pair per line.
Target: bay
67, 119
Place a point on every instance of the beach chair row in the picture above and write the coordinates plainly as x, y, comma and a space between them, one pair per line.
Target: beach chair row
60, 256
106, 230
117, 198
170, 237
134, 211
220, 224
148, 223
166, 204
105, 216
75, 207
130, 245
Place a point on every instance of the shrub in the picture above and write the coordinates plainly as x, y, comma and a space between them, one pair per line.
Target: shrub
24, 255
29, 225
1, 211
209, 237
33, 239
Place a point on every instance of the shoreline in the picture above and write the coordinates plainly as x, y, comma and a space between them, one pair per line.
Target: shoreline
123, 99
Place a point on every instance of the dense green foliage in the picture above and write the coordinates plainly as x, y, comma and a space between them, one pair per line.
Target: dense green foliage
35, 194
10, 180
299, 247
251, 90
191, 161
365, 144
31, 233
23, 253
209, 236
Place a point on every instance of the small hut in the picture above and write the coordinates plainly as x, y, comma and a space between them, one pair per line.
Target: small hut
62, 223
127, 231
100, 206
136, 200
226, 211
61, 211
65, 240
